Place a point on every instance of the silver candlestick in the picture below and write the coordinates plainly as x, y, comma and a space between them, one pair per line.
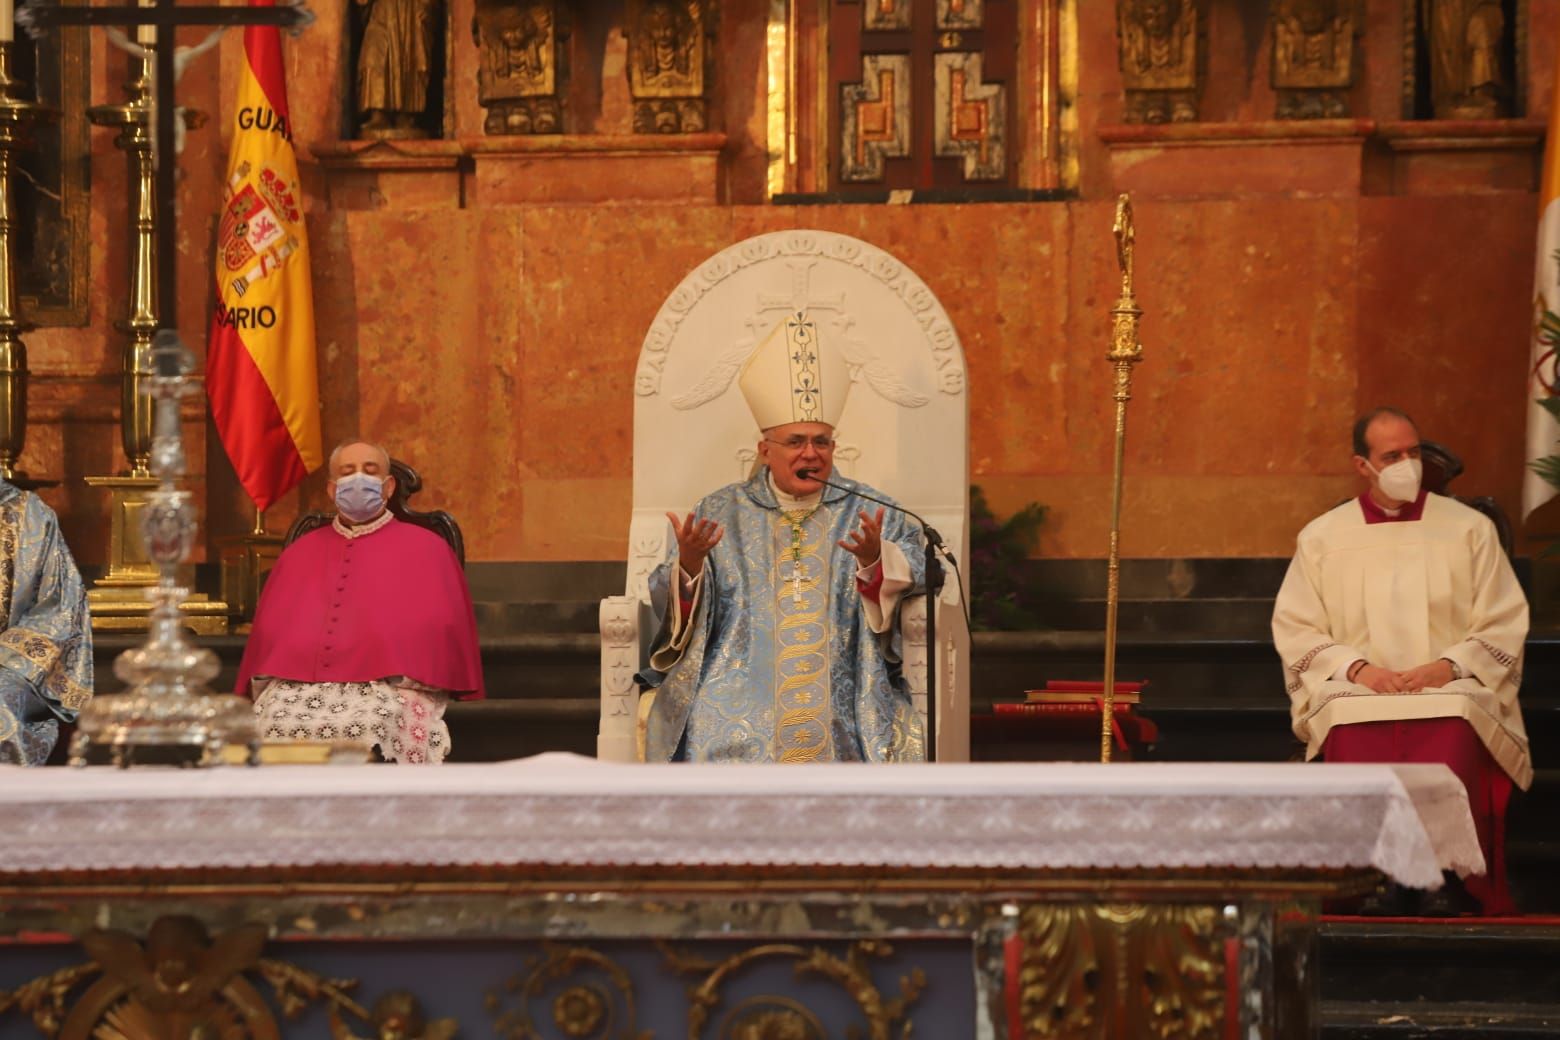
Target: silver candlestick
167, 704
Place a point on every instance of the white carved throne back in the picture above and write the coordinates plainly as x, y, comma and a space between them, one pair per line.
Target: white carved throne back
905, 427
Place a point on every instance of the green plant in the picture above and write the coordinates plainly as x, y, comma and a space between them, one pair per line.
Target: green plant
1000, 599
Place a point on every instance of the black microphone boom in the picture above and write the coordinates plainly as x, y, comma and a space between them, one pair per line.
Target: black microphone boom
932, 568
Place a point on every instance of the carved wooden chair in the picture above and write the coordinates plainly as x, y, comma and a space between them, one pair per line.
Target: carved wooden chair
1441, 467
905, 430
407, 484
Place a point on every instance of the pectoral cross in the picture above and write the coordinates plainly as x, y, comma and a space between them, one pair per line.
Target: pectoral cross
38, 17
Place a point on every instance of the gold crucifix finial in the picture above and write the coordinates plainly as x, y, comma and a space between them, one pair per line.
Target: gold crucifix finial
1125, 234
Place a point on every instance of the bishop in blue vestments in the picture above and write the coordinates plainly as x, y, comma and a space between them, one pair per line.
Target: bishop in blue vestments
778, 600
45, 631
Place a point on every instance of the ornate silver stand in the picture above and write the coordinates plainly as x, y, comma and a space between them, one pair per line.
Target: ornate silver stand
167, 705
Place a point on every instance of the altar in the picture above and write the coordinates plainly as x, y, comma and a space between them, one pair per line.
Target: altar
562, 897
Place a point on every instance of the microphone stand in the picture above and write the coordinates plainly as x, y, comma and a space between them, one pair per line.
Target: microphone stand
932, 568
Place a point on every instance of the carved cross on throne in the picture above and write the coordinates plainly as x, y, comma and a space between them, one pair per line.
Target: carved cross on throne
799, 299
865, 365
38, 17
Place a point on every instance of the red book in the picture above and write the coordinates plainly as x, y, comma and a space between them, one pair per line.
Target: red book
1082, 686
1063, 691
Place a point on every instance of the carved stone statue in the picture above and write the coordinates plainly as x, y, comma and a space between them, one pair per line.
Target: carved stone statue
1313, 57
395, 59
667, 51
1467, 68
1159, 57
521, 75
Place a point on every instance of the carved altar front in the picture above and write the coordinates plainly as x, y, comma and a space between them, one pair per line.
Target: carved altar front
559, 897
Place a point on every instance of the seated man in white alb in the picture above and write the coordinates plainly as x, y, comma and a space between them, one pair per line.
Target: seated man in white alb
1401, 628
365, 627
779, 599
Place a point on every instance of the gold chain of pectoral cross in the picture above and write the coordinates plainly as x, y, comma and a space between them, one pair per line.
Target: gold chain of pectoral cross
796, 519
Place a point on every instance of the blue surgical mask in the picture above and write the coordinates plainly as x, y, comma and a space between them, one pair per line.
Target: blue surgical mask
360, 496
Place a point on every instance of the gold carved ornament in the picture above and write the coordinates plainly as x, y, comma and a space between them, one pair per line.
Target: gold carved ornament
1090, 972
182, 983
592, 998
774, 1017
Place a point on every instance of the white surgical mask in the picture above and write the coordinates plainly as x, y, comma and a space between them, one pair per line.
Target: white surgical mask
360, 496
1400, 481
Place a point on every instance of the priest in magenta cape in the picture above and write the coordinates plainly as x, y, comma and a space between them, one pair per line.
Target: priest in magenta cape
365, 628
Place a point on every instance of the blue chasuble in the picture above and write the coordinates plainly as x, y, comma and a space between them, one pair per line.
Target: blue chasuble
45, 631
782, 664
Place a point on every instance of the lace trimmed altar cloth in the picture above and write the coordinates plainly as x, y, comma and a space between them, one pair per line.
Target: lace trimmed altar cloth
1409, 822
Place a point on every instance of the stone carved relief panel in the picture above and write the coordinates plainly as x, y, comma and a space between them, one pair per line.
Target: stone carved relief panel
875, 117
970, 117
523, 68
669, 58
1313, 57
1159, 51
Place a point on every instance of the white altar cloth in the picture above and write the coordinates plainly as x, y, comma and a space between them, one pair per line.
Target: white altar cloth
1409, 822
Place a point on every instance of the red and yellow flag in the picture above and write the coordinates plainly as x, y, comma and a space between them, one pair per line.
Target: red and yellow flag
261, 375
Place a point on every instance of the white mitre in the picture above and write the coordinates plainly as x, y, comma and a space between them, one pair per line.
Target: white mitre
794, 377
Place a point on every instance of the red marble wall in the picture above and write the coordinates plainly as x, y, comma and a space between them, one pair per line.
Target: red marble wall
494, 346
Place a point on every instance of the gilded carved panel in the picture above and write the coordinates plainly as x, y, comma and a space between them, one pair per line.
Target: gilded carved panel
1313, 57
669, 49
182, 981
1159, 50
1091, 971
522, 71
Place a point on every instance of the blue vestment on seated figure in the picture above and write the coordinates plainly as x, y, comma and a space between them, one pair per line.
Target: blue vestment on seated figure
45, 630
782, 666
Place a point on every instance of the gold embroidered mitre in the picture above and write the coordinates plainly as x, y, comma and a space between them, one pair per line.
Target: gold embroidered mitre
793, 377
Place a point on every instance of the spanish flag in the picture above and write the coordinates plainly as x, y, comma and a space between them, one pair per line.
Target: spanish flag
261, 375
1543, 420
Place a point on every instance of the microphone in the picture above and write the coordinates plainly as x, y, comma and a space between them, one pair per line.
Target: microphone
933, 577
932, 537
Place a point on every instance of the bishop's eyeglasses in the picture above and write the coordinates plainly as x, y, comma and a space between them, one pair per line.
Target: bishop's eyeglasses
796, 442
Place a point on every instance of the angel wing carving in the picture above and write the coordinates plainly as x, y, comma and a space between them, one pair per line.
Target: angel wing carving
716, 380
880, 375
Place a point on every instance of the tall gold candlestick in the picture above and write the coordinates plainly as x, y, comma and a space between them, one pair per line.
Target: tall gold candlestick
118, 599
133, 121
1125, 351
